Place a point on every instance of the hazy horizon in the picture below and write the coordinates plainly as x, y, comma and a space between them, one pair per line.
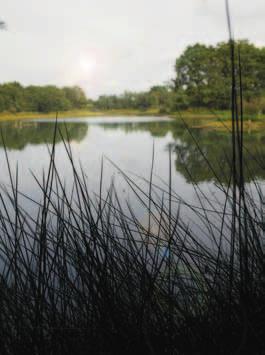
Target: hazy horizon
111, 46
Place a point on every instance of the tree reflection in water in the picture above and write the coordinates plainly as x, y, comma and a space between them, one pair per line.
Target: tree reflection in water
188, 145
18, 134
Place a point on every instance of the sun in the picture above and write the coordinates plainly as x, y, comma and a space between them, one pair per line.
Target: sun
87, 64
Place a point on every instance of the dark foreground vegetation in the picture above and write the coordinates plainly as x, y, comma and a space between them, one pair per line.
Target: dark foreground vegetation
83, 275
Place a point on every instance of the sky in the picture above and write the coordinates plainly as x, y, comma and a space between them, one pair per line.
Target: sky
109, 46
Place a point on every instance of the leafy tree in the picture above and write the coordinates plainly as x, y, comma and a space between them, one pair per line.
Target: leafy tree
12, 97
76, 96
159, 95
143, 101
204, 73
51, 98
106, 102
15, 98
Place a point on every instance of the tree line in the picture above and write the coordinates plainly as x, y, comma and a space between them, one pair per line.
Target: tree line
202, 80
16, 98
157, 97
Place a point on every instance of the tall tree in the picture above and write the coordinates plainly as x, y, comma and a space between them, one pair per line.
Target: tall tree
204, 73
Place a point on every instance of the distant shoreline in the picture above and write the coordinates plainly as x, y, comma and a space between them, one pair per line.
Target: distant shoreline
191, 113
6, 116
199, 118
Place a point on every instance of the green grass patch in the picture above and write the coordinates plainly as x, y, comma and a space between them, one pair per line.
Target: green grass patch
6, 116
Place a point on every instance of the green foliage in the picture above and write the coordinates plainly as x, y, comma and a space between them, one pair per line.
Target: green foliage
157, 97
76, 97
255, 106
203, 79
204, 73
12, 97
16, 98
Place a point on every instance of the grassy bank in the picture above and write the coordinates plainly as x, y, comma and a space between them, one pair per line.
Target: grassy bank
218, 120
221, 125
189, 114
196, 118
6, 116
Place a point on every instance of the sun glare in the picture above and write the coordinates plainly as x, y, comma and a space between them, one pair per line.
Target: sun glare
87, 64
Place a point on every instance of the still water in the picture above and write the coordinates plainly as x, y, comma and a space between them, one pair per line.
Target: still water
199, 157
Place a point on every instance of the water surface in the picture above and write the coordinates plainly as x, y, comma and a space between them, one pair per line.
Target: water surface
198, 156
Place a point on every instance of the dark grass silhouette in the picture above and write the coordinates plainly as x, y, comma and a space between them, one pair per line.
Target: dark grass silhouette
85, 276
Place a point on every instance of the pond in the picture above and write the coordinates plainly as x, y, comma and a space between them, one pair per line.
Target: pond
199, 157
